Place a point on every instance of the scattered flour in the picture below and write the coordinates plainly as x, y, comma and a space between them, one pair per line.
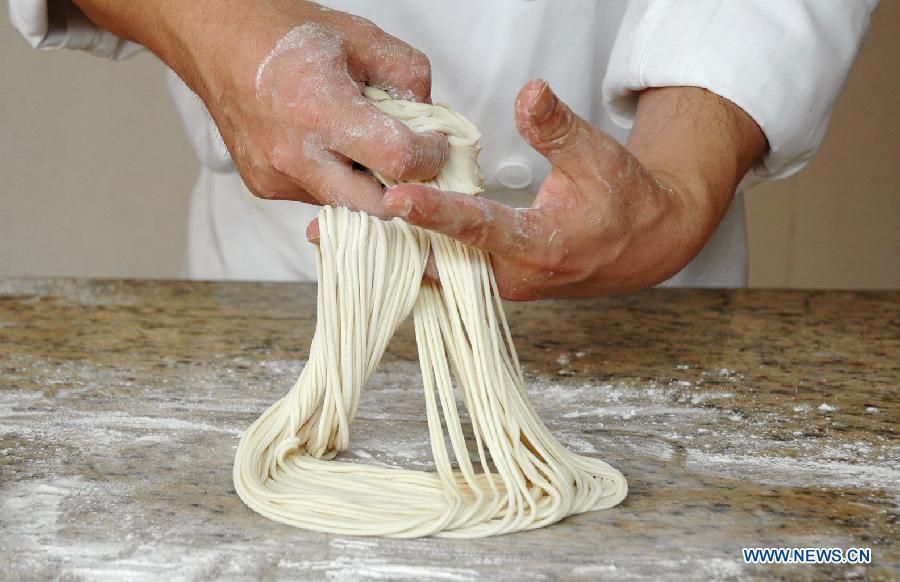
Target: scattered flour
352, 568
799, 472
669, 421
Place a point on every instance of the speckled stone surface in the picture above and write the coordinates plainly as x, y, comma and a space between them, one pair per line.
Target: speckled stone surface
741, 418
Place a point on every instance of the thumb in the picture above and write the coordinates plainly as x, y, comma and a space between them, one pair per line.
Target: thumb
550, 127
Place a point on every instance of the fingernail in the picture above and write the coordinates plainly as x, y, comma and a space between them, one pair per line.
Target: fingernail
541, 105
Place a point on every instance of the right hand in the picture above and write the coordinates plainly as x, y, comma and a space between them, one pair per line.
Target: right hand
296, 124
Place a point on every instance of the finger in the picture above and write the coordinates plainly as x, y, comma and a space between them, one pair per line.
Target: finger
265, 182
399, 69
475, 221
556, 132
276, 186
354, 127
330, 178
386, 62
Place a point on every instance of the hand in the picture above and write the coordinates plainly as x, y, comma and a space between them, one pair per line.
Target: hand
281, 79
602, 222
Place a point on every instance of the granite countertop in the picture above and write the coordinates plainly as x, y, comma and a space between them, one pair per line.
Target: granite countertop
740, 418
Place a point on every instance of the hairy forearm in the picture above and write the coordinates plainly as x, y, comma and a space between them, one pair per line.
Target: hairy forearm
204, 41
700, 145
154, 23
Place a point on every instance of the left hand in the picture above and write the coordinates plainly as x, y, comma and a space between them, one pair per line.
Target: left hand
601, 223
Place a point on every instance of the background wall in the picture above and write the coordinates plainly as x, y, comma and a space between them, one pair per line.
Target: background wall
96, 171
837, 223
96, 174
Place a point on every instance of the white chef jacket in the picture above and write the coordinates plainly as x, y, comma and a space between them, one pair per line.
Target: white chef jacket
783, 62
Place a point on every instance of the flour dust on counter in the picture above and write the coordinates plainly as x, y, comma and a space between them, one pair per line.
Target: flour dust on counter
179, 366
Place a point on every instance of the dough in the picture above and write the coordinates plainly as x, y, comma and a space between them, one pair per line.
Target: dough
370, 278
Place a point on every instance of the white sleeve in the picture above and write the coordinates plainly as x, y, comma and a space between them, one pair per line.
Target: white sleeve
783, 62
55, 24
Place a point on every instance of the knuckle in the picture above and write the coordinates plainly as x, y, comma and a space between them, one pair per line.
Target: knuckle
260, 186
563, 131
364, 34
402, 157
366, 26
405, 70
420, 66
254, 186
265, 172
297, 160
257, 181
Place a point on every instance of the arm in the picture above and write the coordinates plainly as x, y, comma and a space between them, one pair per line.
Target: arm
280, 79
608, 219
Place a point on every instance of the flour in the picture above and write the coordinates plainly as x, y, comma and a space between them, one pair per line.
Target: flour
310, 38
799, 472
227, 393
705, 397
353, 568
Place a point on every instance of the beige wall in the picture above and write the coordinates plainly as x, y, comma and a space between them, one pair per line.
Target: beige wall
96, 174
837, 223
96, 171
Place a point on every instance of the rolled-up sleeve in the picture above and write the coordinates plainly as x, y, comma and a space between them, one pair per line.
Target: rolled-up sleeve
783, 62
56, 24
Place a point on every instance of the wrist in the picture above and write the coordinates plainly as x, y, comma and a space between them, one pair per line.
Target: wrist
161, 26
693, 213
149, 22
216, 46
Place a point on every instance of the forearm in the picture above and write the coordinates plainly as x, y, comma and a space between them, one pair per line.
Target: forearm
203, 41
156, 24
700, 146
